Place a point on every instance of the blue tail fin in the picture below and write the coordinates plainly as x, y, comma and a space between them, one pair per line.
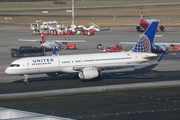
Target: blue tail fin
54, 51
145, 42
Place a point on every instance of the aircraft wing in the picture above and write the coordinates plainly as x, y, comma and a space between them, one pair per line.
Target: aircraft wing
38, 40
155, 35
167, 44
35, 40
110, 66
127, 24
130, 43
68, 41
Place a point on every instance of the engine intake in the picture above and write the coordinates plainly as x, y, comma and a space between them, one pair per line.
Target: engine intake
162, 28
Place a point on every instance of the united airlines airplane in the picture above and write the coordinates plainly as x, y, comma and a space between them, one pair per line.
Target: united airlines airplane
87, 66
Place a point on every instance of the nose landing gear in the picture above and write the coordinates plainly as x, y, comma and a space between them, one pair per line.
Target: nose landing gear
26, 82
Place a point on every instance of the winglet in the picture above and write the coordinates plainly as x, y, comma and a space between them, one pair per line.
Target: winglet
54, 51
160, 57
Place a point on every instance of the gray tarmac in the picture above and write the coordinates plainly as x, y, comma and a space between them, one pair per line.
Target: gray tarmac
157, 103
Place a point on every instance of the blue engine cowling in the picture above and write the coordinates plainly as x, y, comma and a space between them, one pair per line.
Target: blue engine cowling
159, 49
161, 27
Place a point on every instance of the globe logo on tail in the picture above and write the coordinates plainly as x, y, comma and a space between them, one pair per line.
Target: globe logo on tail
143, 45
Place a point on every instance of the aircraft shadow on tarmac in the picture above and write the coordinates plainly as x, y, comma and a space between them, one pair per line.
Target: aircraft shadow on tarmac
141, 73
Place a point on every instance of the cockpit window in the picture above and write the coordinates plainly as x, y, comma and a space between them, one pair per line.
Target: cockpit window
14, 65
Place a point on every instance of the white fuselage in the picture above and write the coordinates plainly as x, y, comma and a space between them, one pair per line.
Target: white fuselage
150, 20
51, 45
67, 63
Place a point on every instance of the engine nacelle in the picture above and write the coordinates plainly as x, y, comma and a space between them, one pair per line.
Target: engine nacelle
53, 74
162, 28
88, 73
159, 49
139, 28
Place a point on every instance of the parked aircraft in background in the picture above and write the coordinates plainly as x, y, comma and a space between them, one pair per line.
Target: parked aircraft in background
87, 66
49, 44
144, 23
157, 47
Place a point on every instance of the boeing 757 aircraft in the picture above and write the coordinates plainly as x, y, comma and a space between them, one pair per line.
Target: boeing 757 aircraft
87, 66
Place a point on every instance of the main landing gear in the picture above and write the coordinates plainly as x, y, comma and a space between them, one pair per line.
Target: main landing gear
26, 82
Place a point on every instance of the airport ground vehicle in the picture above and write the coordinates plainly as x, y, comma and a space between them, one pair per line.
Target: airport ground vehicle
27, 51
99, 46
35, 28
175, 48
116, 48
103, 49
70, 46
55, 28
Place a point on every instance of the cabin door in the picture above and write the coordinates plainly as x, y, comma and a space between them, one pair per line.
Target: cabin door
27, 65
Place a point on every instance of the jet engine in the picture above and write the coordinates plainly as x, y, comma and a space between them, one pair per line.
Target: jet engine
159, 49
162, 28
139, 28
53, 74
88, 73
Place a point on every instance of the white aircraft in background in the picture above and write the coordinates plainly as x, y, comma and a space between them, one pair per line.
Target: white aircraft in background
87, 66
143, 23
49, 44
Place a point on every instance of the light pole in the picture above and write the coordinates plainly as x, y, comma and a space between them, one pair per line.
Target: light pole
73, 12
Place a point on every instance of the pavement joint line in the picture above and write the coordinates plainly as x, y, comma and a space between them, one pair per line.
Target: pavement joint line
93, 89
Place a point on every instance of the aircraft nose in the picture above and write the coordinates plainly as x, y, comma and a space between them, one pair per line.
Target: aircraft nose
7, 71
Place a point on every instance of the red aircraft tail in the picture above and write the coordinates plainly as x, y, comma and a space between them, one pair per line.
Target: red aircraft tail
141, 14
42, 38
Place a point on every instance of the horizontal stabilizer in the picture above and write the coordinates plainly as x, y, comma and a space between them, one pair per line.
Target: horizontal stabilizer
160, 57
141, 70
155, 35
65, 41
